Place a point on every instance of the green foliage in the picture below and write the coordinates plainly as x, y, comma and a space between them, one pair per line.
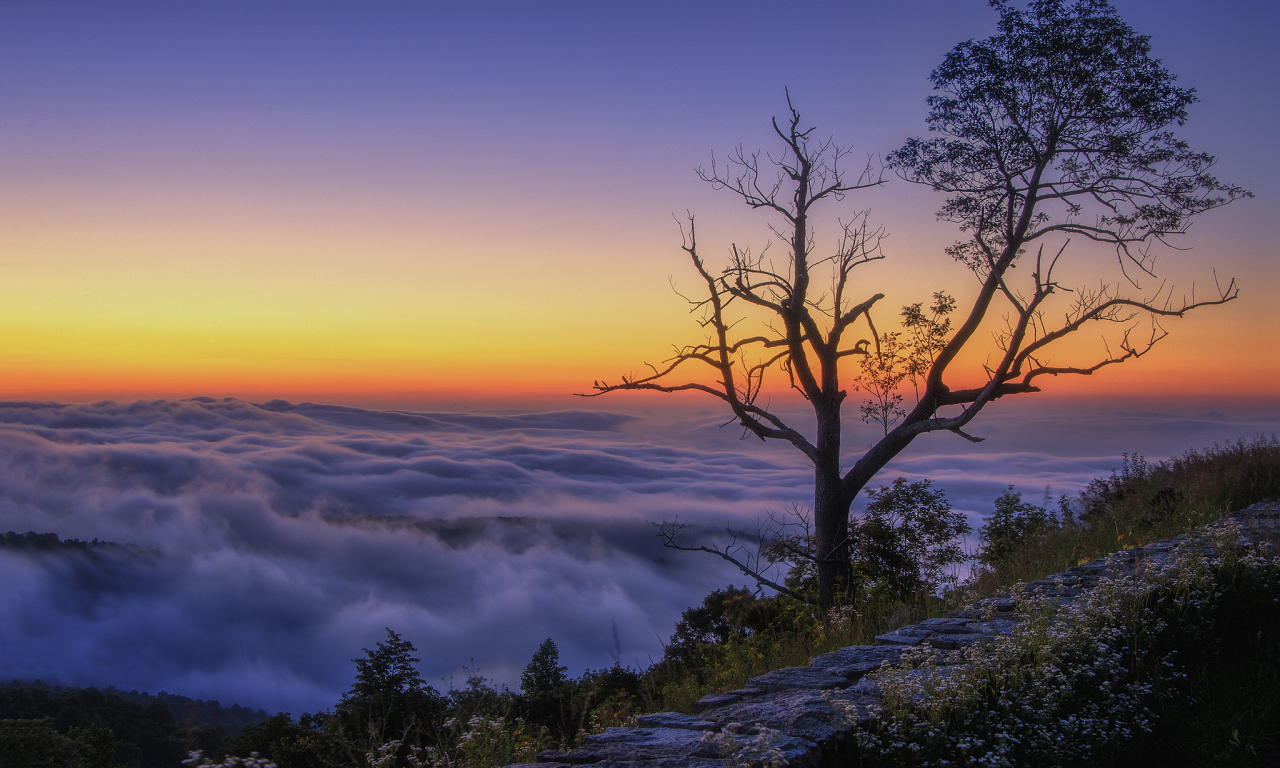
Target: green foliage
608, 698
725, 614
144, 737
900, 357
905, 547
280, 740
548, 694
909, 540
478, 699
30, 744
1015, 524
735, 635
1140, 502
543, 674
485, 742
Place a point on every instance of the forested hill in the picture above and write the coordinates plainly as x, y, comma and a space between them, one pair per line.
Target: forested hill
187, 712
145, 731
50, 542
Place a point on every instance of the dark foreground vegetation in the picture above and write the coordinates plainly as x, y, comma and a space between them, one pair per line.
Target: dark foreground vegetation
1222, 707
1182, 674
43, 725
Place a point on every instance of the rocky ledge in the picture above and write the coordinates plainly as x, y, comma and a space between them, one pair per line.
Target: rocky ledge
788, 717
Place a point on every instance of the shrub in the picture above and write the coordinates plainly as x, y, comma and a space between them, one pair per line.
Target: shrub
1015, 524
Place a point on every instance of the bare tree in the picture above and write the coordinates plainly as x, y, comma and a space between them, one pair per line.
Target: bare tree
1054, 127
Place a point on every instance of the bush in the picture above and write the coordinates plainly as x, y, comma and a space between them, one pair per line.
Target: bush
1015, 524
909, 539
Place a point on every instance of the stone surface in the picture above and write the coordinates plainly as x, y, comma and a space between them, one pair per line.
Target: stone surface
807, 714
632, 744
954, 642
856, 655
818, 678
674, 720
799, 717
715, 700
907, 636
948, 626
766, 748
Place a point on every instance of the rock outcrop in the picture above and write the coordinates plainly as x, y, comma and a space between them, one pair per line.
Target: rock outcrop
789, 717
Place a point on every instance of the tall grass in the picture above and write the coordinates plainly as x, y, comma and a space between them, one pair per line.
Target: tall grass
1140, 503
677, 687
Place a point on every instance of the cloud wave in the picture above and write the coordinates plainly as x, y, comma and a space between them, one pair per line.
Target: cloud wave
261, 546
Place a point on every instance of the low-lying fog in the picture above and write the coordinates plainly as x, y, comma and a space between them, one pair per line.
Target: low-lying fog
265, 545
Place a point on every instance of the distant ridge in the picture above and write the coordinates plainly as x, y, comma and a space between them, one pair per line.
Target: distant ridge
187, 712
50, 541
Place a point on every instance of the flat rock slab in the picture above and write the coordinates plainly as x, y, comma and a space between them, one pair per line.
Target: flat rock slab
858, 654
771, 749
729, 697
948, 626
811, 678
807, 714
956, 642
854, 672
903, 638
674, 720
995, 626
632, 744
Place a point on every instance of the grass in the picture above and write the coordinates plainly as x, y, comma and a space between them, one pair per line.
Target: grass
1141, 503
676, 687
1225, 710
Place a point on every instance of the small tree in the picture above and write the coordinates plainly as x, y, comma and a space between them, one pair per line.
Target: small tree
547, 690
1054, 127
543, 673
387, 701
1013, 523
910, 539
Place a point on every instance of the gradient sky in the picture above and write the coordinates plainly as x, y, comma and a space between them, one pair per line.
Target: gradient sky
402, 202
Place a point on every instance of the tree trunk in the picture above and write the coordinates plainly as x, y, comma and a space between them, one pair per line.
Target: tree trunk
831, 537
830, 509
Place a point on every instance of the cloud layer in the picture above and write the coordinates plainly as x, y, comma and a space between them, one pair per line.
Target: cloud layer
265, 545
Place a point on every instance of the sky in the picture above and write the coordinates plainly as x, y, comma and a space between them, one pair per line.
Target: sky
294, 299
422, 201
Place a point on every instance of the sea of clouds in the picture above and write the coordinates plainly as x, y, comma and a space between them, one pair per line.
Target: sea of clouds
264, 545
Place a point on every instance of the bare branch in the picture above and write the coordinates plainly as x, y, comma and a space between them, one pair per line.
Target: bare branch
673, 536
